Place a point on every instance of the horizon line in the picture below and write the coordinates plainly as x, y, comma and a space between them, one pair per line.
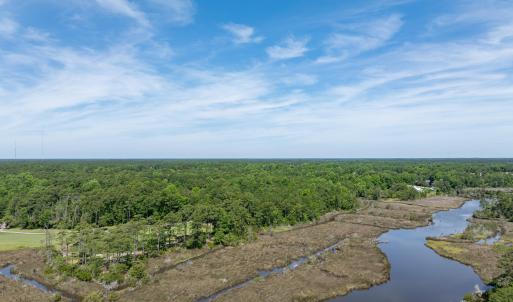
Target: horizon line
250, 158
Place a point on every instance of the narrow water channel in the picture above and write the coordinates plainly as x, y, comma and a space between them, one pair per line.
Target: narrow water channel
417, 273
7, 272
264, 274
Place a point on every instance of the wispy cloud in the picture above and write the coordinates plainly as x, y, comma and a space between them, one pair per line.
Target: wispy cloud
393, 97
7, 26
300, 79
177, 11
180, 12
126, 8
290, 48
242, 33
500, 33
360, 38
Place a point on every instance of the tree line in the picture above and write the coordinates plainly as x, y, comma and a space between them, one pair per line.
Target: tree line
113, 214
230, 195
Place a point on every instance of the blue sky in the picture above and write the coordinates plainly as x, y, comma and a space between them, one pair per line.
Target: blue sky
223, 79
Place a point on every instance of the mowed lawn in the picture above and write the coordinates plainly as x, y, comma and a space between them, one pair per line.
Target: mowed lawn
10, 240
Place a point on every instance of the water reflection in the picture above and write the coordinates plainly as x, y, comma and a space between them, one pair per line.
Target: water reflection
419, 274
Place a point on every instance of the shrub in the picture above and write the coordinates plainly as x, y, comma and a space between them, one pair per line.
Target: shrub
95, 267
94, 297
196, 241
116, 272
119, 268
138, 271
113, 296
109, 277
83, 274
504, 294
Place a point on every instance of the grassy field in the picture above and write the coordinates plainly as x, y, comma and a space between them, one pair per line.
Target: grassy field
14, 239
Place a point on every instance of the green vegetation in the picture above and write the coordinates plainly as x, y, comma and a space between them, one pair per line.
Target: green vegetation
104, 193
480, 231
503, 291
111, 215
14, 239
444, 246
504, 294
94, 297
499, 205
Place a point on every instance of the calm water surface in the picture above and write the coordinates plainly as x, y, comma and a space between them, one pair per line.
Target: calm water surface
417, 273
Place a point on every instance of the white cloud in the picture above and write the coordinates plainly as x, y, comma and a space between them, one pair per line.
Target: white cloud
126, 8
8, 26
411, 99
177, 11
242, 33
500, 33
116, 93
340, 46
299, 79
34, 34
288, 49
474, 13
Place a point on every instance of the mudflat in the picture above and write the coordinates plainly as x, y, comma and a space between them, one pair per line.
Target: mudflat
234, 273
12, 291
355, 263
30, 263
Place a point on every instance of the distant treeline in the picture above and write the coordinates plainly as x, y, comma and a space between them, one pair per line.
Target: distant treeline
229, 195
121, 212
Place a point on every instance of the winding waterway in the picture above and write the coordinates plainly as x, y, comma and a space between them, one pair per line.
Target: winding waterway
7, 272
417, 273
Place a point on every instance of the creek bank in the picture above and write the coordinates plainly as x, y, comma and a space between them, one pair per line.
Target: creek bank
357, 264
20, 280
277, 270
416, 270
483, 258
30, 264
7, 272
14, 291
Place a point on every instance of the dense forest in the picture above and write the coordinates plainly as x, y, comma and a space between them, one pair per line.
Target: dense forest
229, 194
125, 211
